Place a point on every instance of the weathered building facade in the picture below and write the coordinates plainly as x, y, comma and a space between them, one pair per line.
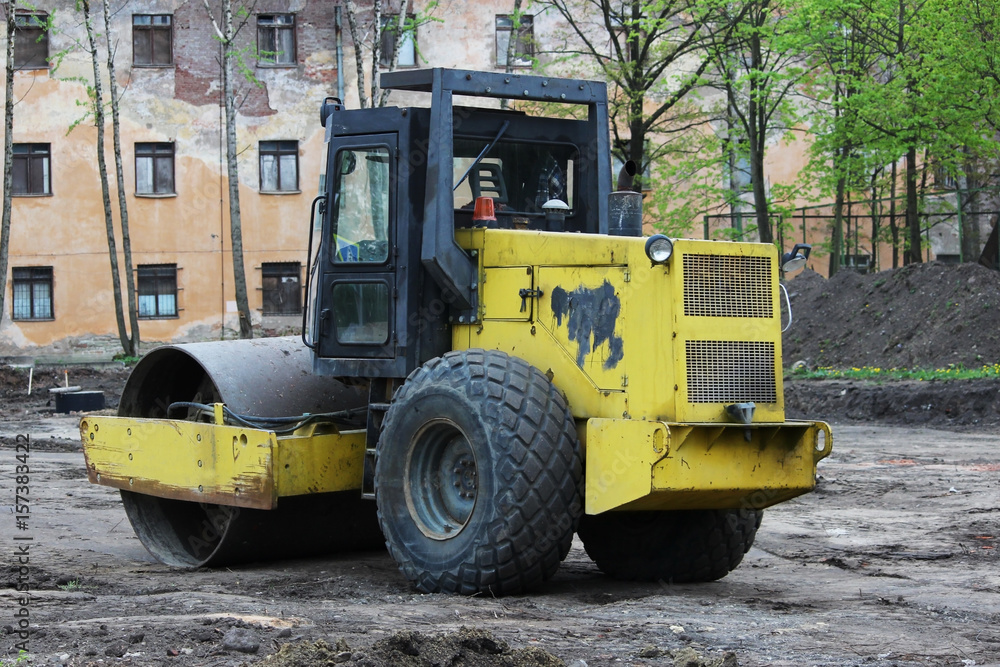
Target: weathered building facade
59, 301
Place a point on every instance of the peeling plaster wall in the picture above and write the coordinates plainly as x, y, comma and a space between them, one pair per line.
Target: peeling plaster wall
179, 104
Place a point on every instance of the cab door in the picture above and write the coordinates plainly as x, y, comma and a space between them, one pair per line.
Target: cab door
357, 318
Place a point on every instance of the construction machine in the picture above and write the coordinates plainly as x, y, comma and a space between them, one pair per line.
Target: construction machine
493, 359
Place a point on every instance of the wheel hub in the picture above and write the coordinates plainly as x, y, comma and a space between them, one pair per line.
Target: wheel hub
441, 479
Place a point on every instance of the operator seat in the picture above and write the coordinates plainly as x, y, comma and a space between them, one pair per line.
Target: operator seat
486, 180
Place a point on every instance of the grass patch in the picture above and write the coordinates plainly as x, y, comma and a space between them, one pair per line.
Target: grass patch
951, 372
124, 359
22, 659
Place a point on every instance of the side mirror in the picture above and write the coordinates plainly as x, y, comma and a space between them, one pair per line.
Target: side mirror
348, 163
796, 259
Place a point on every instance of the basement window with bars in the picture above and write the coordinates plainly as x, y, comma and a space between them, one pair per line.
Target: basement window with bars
281, 286
32, 292
152, 40
157, 287
154, 168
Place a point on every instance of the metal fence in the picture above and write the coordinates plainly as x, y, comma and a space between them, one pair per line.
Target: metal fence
874, 231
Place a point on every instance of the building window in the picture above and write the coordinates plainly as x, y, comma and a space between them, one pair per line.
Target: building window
152, 40
407, 43
279, 166
524, 47
154, 168
157, 291
31, 43
282, 292
32, 293
276, 40
32, 171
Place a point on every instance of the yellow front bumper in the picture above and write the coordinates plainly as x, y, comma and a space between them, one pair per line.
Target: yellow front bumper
214, 463
646, 465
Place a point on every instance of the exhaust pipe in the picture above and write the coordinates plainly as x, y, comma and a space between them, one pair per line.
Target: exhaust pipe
625, 206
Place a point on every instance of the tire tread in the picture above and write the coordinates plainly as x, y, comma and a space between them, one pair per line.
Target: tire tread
671, 546
539, 473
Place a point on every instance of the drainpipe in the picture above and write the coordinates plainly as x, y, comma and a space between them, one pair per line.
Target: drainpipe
340, 52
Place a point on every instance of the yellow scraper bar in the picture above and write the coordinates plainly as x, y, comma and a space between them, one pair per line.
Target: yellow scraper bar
214, 463
651, 465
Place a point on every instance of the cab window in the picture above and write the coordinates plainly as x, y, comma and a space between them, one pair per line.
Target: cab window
361, 206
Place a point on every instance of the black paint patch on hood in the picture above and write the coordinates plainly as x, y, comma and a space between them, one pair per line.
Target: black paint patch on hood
592, 314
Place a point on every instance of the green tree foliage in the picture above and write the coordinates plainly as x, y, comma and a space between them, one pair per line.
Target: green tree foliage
759, 71
653, 54
894, 90
882, 90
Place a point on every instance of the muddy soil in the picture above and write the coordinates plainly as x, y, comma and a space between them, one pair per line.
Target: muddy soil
17, 404
891, 561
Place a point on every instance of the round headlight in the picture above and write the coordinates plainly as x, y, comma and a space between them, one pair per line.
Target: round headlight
794, 264
659, 248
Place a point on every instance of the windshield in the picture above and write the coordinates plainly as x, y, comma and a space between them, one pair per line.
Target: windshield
519, 176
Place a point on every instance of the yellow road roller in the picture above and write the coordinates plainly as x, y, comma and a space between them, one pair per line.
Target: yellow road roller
493, 359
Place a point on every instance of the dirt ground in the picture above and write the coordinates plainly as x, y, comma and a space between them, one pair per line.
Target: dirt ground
891, 561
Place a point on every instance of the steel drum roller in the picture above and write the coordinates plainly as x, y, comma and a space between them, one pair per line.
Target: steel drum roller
262, 378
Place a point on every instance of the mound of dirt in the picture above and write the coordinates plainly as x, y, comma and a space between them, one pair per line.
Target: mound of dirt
920, 316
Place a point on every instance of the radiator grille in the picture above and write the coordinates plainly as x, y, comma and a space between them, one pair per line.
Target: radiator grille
730, 371
727, 286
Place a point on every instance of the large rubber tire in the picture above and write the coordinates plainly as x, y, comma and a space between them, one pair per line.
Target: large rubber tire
671, 546
478, 475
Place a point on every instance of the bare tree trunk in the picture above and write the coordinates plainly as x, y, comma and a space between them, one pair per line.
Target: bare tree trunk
837, 237
922, 194
376, 48
757, 117
913, 254
133, 315
876, 220
761, 211
967, 203
235, 223
378, 96
102, 167
8, 153
511, 49
404, 9
893, 225
227, 36
352, 26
